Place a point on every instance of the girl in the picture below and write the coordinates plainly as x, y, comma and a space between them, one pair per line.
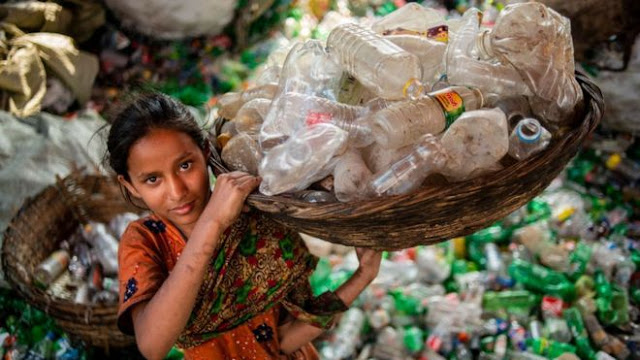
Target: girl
220, 282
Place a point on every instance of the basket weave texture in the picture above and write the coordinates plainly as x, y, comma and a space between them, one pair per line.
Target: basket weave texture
37, 230
436, 213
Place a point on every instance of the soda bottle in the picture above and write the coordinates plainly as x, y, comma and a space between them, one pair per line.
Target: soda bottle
377, 63
408, 173
251, 115
628, 168
579, 332
462, 66
495, 233
536, 41
242, 153
537, 239
578, 260
42, 350
510, 299
549, 348
475, 142
403, 122
351, 177
528, 137
540, 279
301, 160
231, 102
612, 302
104, 245
51, 268
413, 339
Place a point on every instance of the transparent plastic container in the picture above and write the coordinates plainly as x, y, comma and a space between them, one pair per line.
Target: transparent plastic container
231, 102
412, 17
404, 122
251, 115
527, 138
430, 52
475, 142
242, 153
376, 62
304, 158
351, 176
408, 173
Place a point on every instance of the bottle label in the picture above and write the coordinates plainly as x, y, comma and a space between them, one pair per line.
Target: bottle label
451, 103
314, 117
437, 33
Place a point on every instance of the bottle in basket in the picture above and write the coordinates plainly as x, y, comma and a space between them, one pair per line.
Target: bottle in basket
242, 153
231, 102
404, 122
376, 62
105, 246
51, 268
528, 137
351, 176
408, 173
251, 115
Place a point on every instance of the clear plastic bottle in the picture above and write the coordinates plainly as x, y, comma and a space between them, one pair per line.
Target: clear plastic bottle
351, 177
51, 268
231, 102
347, 335
294, 111
527, 138
430, 53
404, 122
43, 349
302, 159
242, 153
378, 158
105, 246
377, 63
412, 17
537, 239
251, 115
407, 174
536, 41
475, 142
463, 68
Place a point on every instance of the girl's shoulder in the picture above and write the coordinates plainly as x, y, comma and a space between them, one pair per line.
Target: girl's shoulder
148, 229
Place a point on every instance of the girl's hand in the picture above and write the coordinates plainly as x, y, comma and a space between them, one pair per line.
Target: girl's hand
369, 262
227, 199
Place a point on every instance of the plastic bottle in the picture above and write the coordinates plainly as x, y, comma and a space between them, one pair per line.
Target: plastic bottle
377, 63
528, 137
408, 173
412, 17
347, 337
42, 350
602, 340
541, 279
293, 111
433, 267
51, 268
402, 123
537, 239
549, 348
536, 41
378, 158
430, 53
302, 159
413, 339
462, 66
623, 165
389, 344
510, 299
351, 177
231, 102
242, 153
475, 142
251, 115
105, 246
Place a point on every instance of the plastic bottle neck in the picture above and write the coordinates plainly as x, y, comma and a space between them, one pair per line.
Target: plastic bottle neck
483, 45
529, 130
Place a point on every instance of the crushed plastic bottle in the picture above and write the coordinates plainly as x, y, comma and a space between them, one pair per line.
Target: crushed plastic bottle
351, 177
242, 153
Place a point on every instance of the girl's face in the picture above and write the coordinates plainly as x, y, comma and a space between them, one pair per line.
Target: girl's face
168, 172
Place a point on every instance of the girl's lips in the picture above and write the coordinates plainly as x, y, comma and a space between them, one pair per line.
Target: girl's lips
183, 209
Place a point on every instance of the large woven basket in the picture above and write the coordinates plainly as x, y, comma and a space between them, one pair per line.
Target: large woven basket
37, 230
434, 214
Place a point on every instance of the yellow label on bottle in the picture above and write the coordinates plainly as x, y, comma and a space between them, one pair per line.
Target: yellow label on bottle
613, 161
452, 104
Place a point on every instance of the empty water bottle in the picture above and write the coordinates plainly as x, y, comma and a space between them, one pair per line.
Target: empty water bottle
251, 115
430, 52
351, 177
404, 122
528, 137
407, 174
376, 62
412, 17
231, 102
105, 246
242, 153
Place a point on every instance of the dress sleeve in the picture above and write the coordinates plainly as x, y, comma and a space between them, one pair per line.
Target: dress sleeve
141, 271
319, 311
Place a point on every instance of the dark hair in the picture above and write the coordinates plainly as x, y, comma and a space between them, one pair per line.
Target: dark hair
143, 113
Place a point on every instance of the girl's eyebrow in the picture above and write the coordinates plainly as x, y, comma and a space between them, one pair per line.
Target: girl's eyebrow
185, 155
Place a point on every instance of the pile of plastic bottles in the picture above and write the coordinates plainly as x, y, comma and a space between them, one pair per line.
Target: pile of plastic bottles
379, 108
557, 279
87, 263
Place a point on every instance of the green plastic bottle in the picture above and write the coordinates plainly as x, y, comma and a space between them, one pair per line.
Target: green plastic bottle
541, 279
578, 260
520, 301
579, 332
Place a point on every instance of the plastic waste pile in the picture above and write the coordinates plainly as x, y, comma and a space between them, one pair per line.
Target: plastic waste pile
557, 279
377, 110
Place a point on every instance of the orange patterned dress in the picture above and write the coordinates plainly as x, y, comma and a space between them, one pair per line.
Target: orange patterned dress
258, 278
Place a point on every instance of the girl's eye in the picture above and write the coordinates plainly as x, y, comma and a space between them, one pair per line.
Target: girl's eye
185, 165
151, 179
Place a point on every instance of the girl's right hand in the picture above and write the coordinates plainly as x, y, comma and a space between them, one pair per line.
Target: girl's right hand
227, 199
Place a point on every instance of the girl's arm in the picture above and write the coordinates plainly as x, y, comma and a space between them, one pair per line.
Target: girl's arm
297, 333
159, 322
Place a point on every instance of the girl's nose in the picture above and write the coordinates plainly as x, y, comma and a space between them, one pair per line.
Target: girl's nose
177, 188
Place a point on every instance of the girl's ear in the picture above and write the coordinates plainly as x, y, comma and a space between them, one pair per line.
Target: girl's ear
130, 188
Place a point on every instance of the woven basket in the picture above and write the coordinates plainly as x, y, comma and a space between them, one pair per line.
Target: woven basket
434, 214
37, 230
